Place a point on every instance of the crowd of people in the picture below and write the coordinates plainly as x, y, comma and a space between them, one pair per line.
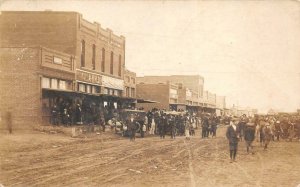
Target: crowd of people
262, 128
153, 122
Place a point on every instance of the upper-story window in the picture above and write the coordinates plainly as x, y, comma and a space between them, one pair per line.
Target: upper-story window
112, 63
120, 65
82, 53
103, 60
94, 57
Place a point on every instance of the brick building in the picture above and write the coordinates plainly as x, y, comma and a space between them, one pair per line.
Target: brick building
28, 76
165, 95
81, 57
130, 88
189, 90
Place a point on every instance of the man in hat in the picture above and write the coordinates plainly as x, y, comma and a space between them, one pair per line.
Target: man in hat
267, 135
132, 127
233, 137
205, 125
249, 135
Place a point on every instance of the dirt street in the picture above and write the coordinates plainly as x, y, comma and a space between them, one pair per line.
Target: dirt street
40, 159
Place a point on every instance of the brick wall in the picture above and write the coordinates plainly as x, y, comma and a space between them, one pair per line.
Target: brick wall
154, 92
55, 30
20, 86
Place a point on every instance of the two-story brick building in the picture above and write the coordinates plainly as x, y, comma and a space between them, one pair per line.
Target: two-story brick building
77, 59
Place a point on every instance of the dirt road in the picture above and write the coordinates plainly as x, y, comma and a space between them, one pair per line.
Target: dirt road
107, 160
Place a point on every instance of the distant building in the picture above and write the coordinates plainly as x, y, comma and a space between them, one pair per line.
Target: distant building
189, 90
165, 94
220, 105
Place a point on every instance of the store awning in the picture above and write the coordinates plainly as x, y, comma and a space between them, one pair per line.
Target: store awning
145, 101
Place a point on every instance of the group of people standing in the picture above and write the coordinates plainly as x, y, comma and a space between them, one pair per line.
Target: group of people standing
262, 128
158, 122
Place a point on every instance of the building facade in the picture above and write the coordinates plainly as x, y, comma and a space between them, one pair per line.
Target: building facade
190, 92
78, 59
165, 95
29, 76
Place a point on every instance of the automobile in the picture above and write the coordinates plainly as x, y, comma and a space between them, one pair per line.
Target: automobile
125, 114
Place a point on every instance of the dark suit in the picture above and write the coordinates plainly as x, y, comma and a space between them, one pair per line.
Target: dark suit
232, 136
132, 128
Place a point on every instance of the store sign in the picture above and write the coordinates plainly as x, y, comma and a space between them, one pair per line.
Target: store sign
88, 77
113, 83
57, 60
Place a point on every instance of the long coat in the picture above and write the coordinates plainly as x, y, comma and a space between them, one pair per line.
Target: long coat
249, 133
232, 136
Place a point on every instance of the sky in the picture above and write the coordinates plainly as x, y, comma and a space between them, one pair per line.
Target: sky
248, 51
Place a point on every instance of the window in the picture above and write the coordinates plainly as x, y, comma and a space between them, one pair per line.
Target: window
82, 53
103, 60
81, 87
62, 84
54, 83
105, 91
127, 92
132, 92
96, 90
88, 89
45, 82
127, 79
120, 65
94, 57
112, 63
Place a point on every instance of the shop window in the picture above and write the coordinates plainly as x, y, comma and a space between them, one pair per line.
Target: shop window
116, 92
54, 83
62, 85
96, 89
81, 87
88, 88
105, 91
45, 82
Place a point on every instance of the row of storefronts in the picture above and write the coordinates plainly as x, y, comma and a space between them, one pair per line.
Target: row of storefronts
79, 62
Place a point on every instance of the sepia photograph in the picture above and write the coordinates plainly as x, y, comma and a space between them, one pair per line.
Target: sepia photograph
126, 93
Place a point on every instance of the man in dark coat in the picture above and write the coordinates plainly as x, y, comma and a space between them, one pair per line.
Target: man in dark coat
233, 137
162, 127
172, 127
249, 136
78, 114
132, 127
205, 125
